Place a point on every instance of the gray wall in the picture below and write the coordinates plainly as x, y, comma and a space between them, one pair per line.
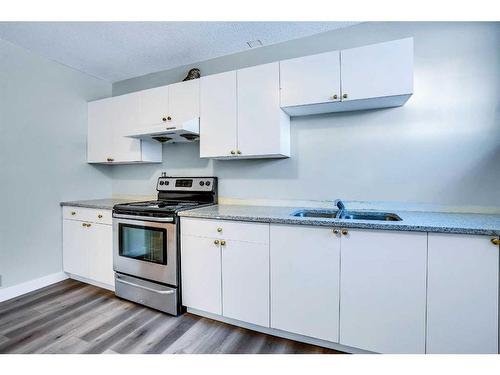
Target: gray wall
442, 147
43, 132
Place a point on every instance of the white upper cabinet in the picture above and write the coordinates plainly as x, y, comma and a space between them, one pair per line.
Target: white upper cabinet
100, 131
311, 79
378, 70
383, 291
240, 115
218, 115
462, 296
109, 120
154, 106
305, 272
263, 127
184, 101
374, 76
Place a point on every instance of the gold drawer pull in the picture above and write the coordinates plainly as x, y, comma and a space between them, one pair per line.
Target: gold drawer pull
73, 213
223, 243
110, 160
219, 229
345, 232
99, 216
495, 241
216, 242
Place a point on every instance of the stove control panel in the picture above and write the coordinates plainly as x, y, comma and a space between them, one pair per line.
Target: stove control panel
206, 184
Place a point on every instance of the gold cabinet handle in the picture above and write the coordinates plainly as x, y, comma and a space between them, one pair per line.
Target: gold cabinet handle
495, 241
223, 243
238, 152
334, 97
89, 225
233, 152
110, 160
163, 119
99, 216
73, 213
345, 232
335, 231
169, 118
219, 229
84, 225
216, 242
344, 96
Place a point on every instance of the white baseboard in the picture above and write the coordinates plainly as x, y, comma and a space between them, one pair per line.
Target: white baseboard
279, 333
92, 282
29, 286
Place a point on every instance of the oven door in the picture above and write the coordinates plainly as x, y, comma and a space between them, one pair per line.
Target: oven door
145, 249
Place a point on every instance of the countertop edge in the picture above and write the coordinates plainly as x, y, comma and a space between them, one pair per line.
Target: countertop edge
345, 224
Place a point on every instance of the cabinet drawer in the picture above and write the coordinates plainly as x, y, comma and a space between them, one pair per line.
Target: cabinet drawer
225, 229
87, 214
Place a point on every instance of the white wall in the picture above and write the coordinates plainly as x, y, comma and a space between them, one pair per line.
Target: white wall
442, 147
43, 131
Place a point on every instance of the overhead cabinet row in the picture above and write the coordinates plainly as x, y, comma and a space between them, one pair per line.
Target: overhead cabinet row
245, 113
374, 76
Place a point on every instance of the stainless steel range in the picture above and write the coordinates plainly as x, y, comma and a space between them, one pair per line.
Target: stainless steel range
146, 249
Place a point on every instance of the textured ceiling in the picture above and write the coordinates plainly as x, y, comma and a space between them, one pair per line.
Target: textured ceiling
115, 51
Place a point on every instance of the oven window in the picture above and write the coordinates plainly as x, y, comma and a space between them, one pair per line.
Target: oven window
143, 243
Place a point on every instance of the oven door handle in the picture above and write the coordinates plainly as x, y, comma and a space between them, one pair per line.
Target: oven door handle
145, 287
144, 218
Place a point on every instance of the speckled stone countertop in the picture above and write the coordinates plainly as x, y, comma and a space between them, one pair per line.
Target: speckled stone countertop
104, 204
441, 222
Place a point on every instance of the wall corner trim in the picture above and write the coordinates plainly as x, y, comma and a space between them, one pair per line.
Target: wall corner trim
29, 286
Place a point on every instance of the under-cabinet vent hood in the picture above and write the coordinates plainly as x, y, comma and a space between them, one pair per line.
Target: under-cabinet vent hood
188, 131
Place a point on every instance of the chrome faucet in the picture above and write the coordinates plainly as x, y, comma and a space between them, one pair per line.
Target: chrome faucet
340, 205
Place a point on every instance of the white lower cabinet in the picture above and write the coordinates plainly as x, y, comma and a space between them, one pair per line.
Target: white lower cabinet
201, 273
374, 290
228, 277
383, 291
462, 301
88, 250
305, 266
245, 281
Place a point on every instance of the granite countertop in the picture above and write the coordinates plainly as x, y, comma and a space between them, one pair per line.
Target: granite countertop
441, 222
105, 204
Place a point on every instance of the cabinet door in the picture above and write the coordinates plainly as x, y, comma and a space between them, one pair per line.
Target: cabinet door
462, 296
100, 131
75, 245
383, 291
378, 70
184, 101
100, 253
245, 281
154, 106
310, 79
126, 109
259, 112
218, 115
201, 274
305, 266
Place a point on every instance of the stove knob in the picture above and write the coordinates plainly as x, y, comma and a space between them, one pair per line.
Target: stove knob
207, 183
202, 183
162, 182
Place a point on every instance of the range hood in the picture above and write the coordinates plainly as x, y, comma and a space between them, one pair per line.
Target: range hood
171, 132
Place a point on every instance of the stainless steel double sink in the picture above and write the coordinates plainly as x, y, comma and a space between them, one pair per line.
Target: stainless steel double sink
348, 215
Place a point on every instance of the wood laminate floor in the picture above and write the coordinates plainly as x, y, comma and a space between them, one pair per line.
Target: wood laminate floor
73, 317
